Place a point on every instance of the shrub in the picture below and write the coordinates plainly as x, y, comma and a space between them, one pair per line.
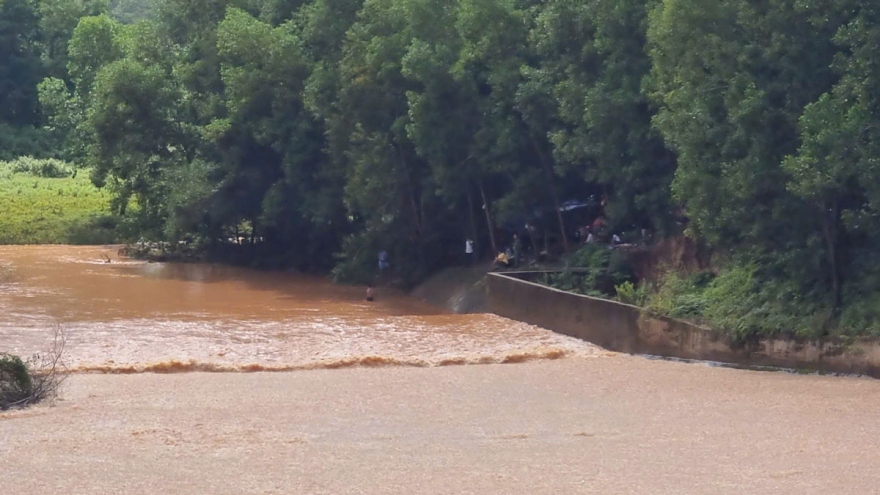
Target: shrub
48, 168
630, 293
16, 384
592, 270
860, 316
19, 141
679, 295
24, 382
742, 302
98, 230
746, 304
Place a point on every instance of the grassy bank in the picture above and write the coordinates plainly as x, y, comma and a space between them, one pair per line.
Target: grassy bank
45, 202
735, 295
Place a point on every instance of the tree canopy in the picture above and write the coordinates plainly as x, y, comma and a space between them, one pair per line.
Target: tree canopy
324, 131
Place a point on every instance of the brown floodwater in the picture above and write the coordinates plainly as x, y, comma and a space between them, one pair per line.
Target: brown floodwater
130, 316
593, 422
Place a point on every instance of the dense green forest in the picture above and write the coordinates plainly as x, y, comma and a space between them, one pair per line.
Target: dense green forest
324, 131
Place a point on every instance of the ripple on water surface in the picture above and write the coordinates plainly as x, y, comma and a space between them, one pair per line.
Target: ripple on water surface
133, 317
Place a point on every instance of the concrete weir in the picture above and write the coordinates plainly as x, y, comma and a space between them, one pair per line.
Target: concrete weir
624, 328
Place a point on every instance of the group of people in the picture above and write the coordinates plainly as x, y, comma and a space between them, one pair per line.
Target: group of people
512, 255
596, 232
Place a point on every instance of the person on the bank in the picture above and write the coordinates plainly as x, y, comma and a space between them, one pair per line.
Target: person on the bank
469, 252
502, 260
517, 249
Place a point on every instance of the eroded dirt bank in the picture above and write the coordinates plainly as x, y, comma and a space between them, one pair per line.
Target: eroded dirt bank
602, 424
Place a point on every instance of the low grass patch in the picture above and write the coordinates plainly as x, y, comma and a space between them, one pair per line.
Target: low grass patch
59, 208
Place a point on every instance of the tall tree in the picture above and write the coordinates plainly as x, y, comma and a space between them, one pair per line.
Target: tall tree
58, 19
590, 62
20, 66
835, 168
732, 78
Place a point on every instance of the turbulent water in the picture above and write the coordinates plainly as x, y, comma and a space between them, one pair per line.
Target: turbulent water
126, 316
616, 424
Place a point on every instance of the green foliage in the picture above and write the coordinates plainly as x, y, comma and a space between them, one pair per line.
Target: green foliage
131, 11
630, 293
590, 62
46, 209
26, 141
679, 295
20, 66
334, 129
746, 304
593, 270
48, 168
58, 19
16, 383
740, 301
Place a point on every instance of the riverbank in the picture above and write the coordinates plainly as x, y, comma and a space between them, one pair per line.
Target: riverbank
53, 210
613, 424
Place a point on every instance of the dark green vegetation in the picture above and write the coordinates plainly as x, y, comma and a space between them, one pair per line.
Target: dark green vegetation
315, 133
25, 382
15, 380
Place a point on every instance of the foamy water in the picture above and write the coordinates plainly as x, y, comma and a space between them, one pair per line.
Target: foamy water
129, 316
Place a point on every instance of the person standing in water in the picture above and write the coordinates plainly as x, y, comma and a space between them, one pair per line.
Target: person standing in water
370, 293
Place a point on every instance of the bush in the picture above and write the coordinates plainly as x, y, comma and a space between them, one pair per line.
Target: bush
630, 293
746, 304
25, 382
592, 270
16, 384
98, 230
742, 302
679, 295
27, 140
48, 168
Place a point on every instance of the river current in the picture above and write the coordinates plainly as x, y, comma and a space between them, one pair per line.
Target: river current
395, 420
123, 316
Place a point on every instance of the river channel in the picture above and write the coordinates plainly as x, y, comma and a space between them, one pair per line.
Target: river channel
566, 418
122, 315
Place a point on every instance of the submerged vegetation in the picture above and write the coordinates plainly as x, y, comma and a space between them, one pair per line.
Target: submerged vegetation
316, 133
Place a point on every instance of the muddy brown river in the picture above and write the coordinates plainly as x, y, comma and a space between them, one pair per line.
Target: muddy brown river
129, 316
385, 397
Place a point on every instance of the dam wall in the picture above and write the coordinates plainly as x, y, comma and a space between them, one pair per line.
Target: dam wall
624, 328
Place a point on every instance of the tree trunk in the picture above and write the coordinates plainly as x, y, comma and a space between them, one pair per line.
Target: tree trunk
489, 222
417, 218
830, 229
548, 174
415, 201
